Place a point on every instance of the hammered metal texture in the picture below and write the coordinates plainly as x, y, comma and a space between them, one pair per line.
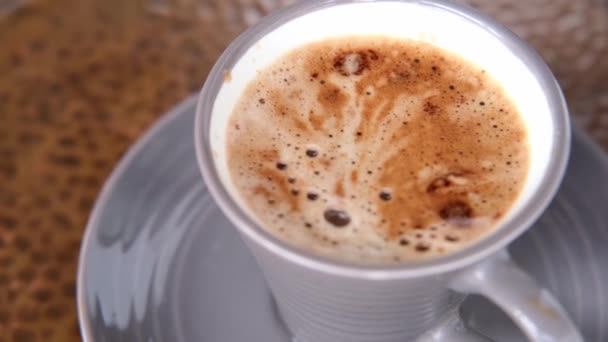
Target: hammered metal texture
81, 79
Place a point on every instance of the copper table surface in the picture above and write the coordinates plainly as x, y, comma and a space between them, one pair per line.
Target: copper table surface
80, 80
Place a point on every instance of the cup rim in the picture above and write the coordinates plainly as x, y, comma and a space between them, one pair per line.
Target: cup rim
511, 229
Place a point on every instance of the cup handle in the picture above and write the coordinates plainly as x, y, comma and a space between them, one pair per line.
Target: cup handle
537, 313
451, 328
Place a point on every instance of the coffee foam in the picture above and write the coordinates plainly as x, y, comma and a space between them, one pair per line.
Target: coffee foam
431, 23
376, 150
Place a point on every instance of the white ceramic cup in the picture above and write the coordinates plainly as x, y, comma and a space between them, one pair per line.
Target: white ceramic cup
328, 301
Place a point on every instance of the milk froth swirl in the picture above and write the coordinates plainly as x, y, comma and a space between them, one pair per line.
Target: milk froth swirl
376, 150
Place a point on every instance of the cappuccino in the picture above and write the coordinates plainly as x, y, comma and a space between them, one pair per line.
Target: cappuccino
376, 150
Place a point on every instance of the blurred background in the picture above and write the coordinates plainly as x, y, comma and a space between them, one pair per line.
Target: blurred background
80, 80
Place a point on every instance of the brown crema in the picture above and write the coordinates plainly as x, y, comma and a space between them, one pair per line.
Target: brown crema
375, 150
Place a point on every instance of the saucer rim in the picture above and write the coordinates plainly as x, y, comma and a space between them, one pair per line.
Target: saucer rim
84, 320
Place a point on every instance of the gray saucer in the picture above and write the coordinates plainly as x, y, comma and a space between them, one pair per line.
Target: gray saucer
159, 262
